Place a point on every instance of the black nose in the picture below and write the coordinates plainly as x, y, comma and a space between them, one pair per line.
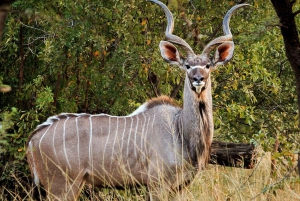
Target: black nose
198, 78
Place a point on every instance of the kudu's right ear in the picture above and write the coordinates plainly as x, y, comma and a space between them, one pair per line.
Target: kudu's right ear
170, 53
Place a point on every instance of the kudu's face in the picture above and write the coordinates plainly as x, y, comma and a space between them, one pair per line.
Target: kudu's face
198, 70
197, 67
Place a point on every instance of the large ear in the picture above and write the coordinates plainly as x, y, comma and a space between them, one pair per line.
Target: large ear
223, 53
170, 53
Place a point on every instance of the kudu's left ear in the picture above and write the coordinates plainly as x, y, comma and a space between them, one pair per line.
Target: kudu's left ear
224, 53
170, 53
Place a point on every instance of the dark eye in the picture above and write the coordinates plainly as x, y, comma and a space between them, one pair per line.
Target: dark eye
187, 66
207, 65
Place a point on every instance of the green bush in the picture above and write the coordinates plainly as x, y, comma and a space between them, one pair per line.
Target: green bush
92, 56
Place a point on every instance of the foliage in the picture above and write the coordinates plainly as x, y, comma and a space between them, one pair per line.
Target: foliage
91, 56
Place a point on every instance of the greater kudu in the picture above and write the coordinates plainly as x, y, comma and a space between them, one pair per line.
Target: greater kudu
159, 145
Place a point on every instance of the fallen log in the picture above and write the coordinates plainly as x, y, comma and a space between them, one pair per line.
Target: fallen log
242, 155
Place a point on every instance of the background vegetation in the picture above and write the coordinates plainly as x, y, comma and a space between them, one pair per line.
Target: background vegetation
103, 57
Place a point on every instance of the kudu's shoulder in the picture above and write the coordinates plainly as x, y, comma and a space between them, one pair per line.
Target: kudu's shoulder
156, 102
161, 100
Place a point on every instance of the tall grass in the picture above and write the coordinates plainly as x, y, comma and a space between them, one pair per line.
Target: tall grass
224, 183
215, 183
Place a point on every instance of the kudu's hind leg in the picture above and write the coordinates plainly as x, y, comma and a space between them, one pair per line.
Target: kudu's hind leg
61, 187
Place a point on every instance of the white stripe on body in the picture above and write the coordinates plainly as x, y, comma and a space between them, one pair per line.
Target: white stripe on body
122, 139
35, 176
64, 142
106, 140
78, 141
136, 129
113, 147
153, 122
130, 130
53, 144
41, 142
145, 135
143, 130
90, 145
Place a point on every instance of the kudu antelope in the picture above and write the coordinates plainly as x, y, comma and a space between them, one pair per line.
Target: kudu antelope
160, 145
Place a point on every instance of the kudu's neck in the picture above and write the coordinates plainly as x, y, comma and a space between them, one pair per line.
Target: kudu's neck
197, 122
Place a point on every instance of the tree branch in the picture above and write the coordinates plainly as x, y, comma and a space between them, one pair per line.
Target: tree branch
154, 81
296, 13
176, 88
239, 2
214, 34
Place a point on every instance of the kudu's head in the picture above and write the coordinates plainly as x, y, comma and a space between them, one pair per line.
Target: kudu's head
197, 66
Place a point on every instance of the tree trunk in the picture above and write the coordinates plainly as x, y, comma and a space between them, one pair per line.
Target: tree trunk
242, 155
284, 10
288, 27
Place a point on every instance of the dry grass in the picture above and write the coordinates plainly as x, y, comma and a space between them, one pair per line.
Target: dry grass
231, 184
216, 183
223, 183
